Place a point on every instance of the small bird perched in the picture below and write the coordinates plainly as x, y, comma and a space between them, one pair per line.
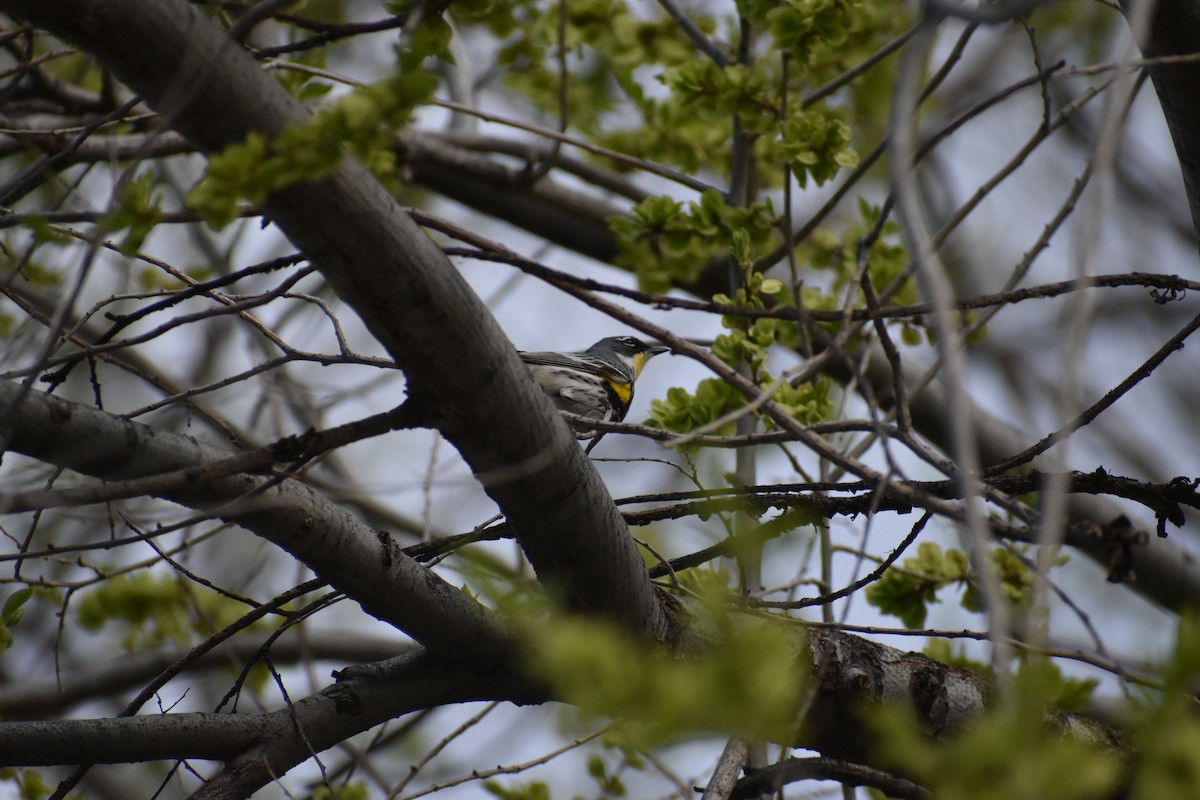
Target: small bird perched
597, 383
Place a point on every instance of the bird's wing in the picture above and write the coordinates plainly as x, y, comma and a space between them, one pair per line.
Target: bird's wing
583, 402
571, 361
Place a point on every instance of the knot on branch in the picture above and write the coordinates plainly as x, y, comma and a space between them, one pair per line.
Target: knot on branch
927, 688
345, 700
1117, 537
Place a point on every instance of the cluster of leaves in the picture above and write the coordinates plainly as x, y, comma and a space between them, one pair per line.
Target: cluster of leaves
800, 27
666, 242
137, 211
155, 609
363, 122
747, 343
815, 142
840, 253
750, 683
609, 43
1167, 734
690, 125
906, 592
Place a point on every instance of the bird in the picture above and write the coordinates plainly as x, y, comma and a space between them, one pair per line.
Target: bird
596, 383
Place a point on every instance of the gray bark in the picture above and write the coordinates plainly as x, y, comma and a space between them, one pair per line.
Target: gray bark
367, 565
406, 291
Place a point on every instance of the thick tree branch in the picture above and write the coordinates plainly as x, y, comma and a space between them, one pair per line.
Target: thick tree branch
262, 745
772, 778
544, 208
38, 697
367, 565
406, 291
845, 676
1174, 30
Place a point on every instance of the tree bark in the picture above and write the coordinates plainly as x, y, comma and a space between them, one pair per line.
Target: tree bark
367, 565
459, 364
1173, 29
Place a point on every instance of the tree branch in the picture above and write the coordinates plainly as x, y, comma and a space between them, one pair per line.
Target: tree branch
1165, 573
39, 698
847, 676
406, 291
1173, 29
773, 778
367, 565
261, 745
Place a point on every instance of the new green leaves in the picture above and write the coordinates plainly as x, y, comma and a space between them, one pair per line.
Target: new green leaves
11, 614
750, 682
363, 123
907, 592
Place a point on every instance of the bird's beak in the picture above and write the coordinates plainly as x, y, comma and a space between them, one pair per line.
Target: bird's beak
641, 358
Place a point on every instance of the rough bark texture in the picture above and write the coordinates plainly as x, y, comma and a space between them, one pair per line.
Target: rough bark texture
851, 674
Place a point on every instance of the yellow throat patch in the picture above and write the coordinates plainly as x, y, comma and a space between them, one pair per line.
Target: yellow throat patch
624, 391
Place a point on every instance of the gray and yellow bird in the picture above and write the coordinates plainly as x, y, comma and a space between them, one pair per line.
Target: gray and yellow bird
596, 383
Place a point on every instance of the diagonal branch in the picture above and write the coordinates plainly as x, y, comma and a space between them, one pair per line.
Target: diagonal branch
367, 565
407, 292
1171, 29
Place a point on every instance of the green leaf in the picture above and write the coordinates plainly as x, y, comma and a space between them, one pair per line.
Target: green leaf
751, 683
740, 247
356, 790
136, 211
14, 605
1010, 752
682, 411
809, 403
906, 597
536, 790
153, 609
910, 335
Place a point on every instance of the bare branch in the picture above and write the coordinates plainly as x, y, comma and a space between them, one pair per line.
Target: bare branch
367, 565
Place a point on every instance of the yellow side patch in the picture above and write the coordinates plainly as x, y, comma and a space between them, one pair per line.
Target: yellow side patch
623, 390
